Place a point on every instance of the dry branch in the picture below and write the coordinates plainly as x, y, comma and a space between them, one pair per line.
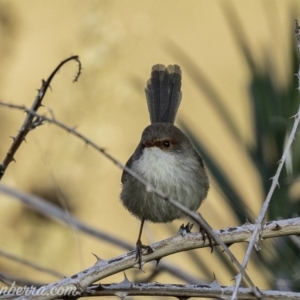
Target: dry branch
127, 288
257, 232
79, 283
31, 121
213, 290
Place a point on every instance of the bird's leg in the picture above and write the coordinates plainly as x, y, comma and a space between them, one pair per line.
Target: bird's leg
140, 246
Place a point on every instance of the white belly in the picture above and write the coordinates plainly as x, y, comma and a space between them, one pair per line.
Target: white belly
172, 176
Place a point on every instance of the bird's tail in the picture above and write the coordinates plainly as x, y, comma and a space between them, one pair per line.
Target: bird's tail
163, 93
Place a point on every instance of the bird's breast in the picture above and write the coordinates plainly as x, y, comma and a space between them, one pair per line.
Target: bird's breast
158, 166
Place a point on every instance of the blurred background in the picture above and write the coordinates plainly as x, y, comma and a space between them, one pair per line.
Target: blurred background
238, 60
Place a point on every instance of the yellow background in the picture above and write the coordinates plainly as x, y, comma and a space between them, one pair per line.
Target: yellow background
118, 42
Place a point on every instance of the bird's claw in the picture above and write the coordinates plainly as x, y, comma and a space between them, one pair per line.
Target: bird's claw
206, 235
185, 229
140, 251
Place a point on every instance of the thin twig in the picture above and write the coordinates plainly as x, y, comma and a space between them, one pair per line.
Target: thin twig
54, 212
256, 235
12, 281
30, 121
31, 264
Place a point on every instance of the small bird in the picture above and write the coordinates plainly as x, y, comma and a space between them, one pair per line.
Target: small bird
164, 157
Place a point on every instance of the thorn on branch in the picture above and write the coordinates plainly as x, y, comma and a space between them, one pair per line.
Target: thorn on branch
296, 116
11, 157
37, 122
125, 276
214, 275
44, 85
276, 227
79, 68
157, 261
247, 222
73, 129
215, 283
97, 257
126, 281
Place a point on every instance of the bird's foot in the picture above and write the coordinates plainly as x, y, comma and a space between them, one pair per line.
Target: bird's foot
140, 251
185, 229
206, 235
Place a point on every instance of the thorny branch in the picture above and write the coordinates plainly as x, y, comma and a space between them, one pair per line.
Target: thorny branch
31, 121
81, 282
180, 291
257, 233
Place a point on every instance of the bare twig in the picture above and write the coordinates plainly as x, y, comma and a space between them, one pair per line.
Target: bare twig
31, 264
31, 121
257, 233
54, 212
11, 281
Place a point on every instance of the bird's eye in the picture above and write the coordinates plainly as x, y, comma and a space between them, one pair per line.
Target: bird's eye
166, 143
